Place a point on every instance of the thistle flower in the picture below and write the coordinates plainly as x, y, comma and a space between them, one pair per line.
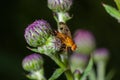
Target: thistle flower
78, 62
33, 62
101, 55
85, 41
37, 33
59, 5
40, 35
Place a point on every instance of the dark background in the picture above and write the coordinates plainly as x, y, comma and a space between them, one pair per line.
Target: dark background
17, 14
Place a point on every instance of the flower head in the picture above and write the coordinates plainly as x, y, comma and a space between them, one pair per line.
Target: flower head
32, 62
85, 41
101, 54
59, 5
37, 33
78, 61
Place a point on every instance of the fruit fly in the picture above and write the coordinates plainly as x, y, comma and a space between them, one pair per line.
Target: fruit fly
66, 40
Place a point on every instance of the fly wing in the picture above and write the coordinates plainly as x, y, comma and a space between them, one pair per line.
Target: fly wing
63, 28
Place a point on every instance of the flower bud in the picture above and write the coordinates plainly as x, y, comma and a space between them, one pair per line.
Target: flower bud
101, 55
33, 62
78, 62
37, 33
59, 5
85, 41
52, 46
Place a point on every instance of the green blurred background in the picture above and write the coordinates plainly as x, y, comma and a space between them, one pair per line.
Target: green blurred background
88, 14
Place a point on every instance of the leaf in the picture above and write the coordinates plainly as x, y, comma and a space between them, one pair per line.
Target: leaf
112, 11
57, 73
88, 69
31, 76
118, 3
33, 49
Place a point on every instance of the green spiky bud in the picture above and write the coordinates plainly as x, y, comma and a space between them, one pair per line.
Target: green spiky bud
59, 5
33, 62
37, 33
40, 35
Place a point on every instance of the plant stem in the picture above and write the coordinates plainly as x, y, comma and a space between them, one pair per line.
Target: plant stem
64, 58
62, 65
40, 75
92, 75
101, 71
60, 17
58, 62
76, 78
69, 75
77, 75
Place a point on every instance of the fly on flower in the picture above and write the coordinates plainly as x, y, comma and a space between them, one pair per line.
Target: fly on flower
66, 40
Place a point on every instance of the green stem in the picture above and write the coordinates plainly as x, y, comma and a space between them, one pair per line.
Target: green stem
58, 62
76, 78
40, 75
64, 58
92, 75
101, 71
62, 65
61, 17
77, 75
69, 75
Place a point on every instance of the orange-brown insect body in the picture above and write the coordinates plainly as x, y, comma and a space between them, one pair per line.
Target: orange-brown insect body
66, 40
